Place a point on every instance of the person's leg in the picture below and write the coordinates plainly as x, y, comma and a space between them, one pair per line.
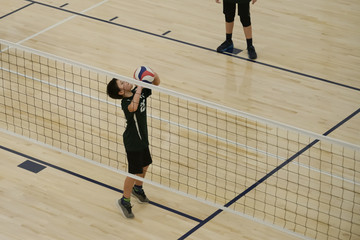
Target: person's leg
248, 32
244, 13
229, 9
138, 182
229, 26
134, 165
138, 190
128, 186
124, 202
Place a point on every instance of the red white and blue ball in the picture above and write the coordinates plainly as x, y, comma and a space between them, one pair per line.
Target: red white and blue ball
144, 74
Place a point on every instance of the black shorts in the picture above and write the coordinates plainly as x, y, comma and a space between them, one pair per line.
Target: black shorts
137, 160
229, 9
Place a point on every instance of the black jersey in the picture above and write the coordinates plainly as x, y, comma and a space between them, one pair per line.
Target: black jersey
136, 134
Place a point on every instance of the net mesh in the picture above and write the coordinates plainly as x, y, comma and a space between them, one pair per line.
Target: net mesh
267, 171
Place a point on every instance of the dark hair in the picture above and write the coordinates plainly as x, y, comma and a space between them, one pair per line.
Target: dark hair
113, 89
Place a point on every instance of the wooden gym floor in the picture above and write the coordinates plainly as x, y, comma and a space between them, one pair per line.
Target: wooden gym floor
306, 75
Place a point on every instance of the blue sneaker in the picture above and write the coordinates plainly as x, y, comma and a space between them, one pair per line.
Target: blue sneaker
226, 46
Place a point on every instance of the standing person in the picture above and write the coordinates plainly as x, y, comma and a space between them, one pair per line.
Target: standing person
135, 138
229, 8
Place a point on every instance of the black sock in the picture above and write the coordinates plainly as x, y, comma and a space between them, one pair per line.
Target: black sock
229, 37
249, 42
137, 188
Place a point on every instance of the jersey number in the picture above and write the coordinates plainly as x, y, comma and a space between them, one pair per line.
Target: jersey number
142, 105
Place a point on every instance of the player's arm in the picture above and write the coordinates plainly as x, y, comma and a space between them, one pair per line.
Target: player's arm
133, 106
156, 80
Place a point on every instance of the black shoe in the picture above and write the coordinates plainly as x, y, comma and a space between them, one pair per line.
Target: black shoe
251, 52
140, 195
125, 208
226, 46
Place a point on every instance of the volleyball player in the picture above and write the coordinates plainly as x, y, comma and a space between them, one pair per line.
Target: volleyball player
135, 138
229, 8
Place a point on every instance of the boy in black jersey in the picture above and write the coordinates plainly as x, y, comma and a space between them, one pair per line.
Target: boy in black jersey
135, 137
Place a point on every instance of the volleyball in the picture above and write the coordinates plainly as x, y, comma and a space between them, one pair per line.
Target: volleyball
144, 74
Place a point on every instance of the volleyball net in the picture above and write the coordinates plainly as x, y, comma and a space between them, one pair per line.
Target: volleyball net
291, 178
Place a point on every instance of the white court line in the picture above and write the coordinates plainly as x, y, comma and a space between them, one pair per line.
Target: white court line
59, 23
191, 129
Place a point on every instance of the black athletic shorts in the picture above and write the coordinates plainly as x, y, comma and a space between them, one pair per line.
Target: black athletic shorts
229, 9
138, 159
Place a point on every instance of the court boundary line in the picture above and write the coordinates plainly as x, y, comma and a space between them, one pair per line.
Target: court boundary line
269, 175
91, 180
200, 47
10, 13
